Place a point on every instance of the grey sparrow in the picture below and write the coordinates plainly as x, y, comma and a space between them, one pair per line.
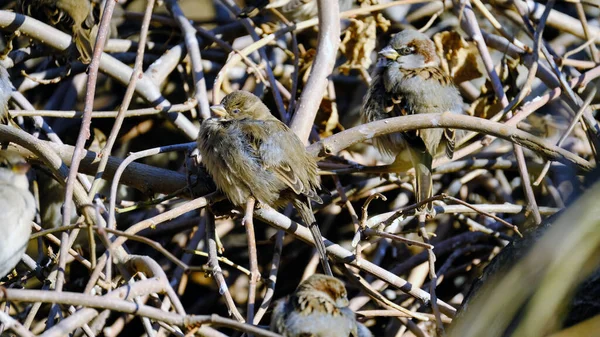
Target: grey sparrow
250, 153
409, 81
318, 308
17, 209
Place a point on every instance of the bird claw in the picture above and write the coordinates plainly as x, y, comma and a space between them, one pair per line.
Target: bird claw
428, 211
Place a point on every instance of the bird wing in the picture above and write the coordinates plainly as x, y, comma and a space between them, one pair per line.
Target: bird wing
273, 144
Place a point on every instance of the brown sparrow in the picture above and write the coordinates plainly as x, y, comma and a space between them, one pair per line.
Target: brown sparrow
410, 81
17, 209
294, 10
78, 17
302, 10
318, 308
250, 153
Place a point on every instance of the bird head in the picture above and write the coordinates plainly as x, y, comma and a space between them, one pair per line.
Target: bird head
240, 105
13, 169
410, 49
327, 286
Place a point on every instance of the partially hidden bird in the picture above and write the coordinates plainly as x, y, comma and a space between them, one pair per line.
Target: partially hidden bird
318, 308
80, 18
17, 210
408, 81
295, 10
250, 153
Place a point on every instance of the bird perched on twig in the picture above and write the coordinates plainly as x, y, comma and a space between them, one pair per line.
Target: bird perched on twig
78, 17
295, 10
17, 209
318, 308
410, 81
250, 153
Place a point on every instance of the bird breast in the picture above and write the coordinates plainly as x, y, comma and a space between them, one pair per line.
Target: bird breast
234, 164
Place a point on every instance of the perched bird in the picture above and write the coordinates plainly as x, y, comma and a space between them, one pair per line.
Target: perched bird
17, 209
250, 153
295, 10
5, 92
78, 17
302, 10
318, 308
410, 81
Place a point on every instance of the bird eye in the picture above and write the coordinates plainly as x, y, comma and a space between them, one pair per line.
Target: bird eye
235, 111
406, 50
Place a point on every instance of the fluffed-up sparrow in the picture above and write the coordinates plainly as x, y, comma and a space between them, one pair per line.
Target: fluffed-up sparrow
410, 81
318, 308
17, 209
250, 153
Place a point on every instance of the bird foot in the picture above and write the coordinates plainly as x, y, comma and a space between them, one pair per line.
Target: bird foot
428, 212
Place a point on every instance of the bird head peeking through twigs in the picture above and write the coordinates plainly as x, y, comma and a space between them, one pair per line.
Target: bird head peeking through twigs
319, 308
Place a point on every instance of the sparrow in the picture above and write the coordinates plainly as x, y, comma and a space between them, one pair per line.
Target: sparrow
17, 209
409, 80
250, 153
318, 308
78, 17
294, 10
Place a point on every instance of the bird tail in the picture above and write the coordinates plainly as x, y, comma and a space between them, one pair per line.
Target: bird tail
422, 161
305, 211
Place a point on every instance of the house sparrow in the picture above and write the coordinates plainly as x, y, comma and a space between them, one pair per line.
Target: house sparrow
294, 10
302, 10
250, 153
17, 209
318, 308
410, 81
78, 17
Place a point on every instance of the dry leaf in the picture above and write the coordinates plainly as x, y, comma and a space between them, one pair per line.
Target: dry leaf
459, 58
327, 119
360, 38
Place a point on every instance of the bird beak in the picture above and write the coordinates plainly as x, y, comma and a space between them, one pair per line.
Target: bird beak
21, 168
389, 53
219, 110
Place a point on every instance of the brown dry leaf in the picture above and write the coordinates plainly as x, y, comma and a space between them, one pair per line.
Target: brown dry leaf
99, 140
459, 58
359, 39
487, 105
305, 62
327, 119
268, 28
